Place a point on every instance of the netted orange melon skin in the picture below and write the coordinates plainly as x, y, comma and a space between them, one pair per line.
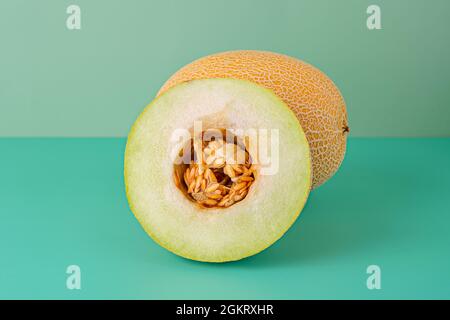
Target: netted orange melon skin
312, 96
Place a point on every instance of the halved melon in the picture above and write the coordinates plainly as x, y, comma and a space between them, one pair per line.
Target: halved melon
196, 200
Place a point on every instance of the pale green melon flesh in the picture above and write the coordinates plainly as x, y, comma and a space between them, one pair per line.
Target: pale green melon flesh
217, 234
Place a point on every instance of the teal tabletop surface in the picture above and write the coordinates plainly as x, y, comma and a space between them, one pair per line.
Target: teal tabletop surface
62, 203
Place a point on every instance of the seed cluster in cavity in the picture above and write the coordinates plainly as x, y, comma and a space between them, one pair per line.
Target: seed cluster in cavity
217, 178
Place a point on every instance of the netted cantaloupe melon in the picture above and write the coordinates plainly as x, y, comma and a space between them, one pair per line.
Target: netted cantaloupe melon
312, 96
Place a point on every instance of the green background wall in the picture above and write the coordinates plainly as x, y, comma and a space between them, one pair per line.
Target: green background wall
95, 81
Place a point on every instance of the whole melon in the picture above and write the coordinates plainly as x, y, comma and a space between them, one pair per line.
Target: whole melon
314, 98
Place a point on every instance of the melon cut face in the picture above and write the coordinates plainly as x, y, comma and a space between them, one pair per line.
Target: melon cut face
215, 233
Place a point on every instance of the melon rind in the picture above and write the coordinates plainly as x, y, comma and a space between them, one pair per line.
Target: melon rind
312, 95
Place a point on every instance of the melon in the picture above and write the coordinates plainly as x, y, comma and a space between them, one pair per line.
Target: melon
312, 96
217, 170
